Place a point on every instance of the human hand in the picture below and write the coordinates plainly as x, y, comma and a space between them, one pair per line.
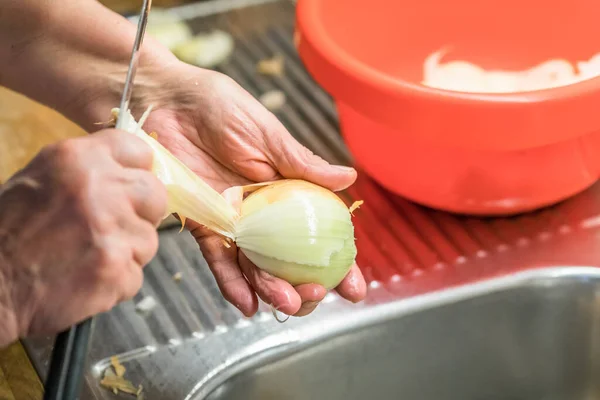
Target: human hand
202, 117
77, 225
228, 138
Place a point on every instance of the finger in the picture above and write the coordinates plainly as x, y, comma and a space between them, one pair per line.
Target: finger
143, 239
294, 161
147, 194
223, 263
273, 291
353, 287
234, 196
120, 276
126, 149
311, 295
132, 282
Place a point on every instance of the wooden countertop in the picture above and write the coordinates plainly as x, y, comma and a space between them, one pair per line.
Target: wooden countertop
26, 127
18, 379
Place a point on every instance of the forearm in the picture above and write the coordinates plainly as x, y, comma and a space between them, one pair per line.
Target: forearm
71, 55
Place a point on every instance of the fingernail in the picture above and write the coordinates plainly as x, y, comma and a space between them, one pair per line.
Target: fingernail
310, 304
343, 168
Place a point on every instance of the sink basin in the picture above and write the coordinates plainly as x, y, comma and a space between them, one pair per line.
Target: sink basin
532, 335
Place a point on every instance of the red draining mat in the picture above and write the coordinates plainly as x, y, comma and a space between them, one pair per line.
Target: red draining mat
408, 248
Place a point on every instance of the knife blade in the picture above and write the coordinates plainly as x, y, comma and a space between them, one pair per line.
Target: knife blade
133, 62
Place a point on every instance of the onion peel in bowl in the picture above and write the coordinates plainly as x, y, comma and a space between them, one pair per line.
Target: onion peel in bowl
464, 76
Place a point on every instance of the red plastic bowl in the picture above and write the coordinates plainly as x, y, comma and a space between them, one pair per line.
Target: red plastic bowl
468, 153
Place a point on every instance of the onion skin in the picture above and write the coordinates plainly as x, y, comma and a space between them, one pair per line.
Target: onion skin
282, 190
320, 246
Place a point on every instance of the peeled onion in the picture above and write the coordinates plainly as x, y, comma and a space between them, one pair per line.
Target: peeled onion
297, 231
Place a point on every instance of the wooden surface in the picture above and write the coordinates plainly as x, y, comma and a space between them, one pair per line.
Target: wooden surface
26, 127
18, 379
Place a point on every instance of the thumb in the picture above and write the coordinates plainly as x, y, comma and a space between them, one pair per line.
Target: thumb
294, 161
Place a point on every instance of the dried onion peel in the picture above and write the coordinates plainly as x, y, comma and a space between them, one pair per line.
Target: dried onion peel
273, 100
293, 229
114, 380
271, 66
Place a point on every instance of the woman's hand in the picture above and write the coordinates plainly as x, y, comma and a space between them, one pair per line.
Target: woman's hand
76, 227
228, 138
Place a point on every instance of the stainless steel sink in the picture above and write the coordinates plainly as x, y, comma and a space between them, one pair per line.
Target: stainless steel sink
533, 335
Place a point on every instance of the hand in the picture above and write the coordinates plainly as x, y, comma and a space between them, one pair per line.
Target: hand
228, 138
204, 118
76, 227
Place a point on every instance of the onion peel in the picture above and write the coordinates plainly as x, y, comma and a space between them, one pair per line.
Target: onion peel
355, 206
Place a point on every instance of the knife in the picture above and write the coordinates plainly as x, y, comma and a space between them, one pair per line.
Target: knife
133, 62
